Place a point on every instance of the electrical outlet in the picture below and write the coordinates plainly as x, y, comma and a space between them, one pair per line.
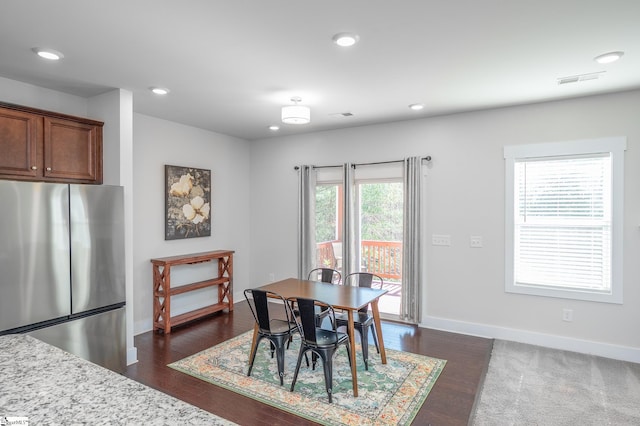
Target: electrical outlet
272, 277
441, 240
475, 241
567, 315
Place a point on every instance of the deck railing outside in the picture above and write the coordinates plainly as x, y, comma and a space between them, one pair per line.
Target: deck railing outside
383, 258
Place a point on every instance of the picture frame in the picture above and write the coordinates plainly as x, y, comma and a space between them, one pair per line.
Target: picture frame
187, 202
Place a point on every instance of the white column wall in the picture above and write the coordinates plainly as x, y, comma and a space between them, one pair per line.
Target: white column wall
115, 108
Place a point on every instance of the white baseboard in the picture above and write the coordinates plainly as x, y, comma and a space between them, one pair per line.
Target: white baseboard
607, 350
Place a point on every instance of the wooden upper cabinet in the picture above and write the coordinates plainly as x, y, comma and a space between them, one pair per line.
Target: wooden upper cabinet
18, 143
71, 150
45, 146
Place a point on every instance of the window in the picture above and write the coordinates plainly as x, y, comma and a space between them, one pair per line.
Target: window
564, 204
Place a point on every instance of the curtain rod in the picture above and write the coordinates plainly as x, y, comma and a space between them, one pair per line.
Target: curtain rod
425, 158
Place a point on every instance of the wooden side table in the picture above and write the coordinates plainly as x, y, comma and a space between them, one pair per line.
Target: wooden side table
162, 290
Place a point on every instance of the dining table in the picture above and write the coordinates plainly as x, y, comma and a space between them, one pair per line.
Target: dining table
344, 297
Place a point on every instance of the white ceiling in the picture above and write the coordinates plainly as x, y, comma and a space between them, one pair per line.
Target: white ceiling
231, 64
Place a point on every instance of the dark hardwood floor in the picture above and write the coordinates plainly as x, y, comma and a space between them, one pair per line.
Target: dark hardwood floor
451, 401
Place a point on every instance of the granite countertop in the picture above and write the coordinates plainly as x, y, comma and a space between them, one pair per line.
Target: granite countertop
50, 386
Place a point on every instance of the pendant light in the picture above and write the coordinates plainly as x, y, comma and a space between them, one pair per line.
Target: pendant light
296, 114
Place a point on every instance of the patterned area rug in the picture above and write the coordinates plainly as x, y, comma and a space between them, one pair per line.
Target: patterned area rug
388, 394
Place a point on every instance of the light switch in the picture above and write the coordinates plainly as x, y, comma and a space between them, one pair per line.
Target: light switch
441, 240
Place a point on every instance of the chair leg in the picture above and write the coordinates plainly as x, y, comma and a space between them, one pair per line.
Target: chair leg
273, 348
295, 375
364, 340
327, 364
280, 358
375, 339
348, 346
252, 357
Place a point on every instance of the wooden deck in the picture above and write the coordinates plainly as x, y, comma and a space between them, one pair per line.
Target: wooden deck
451, 401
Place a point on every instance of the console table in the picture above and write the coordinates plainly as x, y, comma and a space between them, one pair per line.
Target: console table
162, 290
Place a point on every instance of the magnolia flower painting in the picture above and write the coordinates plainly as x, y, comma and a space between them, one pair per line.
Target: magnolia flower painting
188, 202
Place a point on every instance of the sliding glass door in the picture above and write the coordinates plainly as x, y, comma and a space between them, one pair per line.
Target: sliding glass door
377, 227
379, 233
367, 217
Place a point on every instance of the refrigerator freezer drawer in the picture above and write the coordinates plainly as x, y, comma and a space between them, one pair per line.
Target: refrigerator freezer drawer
98, 338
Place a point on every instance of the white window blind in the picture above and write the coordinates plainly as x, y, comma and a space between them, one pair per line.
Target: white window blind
563, 222
564, 219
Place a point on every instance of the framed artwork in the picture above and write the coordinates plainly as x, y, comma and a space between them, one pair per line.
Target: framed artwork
187, 202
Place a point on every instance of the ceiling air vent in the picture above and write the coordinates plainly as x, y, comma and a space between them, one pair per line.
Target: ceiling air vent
341, 115
580, 77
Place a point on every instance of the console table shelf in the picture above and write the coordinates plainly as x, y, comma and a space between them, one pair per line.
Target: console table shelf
162, 290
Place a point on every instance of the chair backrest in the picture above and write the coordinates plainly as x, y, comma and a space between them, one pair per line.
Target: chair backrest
363, 279
325, 275
263, 311
306, 319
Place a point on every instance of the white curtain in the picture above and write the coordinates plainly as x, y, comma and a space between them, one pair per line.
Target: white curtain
349, 256
412, 247
306, 220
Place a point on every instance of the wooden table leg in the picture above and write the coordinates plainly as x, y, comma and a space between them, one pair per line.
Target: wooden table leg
256, 329
376, 320
352, 342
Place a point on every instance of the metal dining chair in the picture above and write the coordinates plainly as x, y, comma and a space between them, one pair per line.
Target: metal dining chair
275, 322
321, 342
362, 321
325, 275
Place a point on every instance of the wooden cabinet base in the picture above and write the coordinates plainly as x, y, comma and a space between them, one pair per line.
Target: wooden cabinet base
162, 290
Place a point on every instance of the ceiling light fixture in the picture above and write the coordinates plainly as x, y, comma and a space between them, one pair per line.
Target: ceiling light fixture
159, 90
607, 58
52, 55
296, 114
416, 107
274, 128
346, 39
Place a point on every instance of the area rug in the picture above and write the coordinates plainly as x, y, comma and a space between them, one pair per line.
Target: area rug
388, 394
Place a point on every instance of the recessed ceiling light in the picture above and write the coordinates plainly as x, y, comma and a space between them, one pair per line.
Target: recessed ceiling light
346, 39
159, 90
607, 58
416, 107
52, 55
274, 128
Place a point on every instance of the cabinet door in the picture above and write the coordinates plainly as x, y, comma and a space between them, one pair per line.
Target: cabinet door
72, 150
18, 143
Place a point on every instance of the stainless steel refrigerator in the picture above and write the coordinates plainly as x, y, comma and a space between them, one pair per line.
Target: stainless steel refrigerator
62, 276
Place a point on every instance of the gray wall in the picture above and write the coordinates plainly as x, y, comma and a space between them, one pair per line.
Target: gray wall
157, 143
465, 196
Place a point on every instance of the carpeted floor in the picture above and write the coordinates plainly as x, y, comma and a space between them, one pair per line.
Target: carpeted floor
533, 385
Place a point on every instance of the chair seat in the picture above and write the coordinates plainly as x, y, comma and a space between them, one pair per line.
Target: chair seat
281, 326
329, 337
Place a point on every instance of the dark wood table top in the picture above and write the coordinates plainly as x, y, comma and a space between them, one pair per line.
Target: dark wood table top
338, 296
